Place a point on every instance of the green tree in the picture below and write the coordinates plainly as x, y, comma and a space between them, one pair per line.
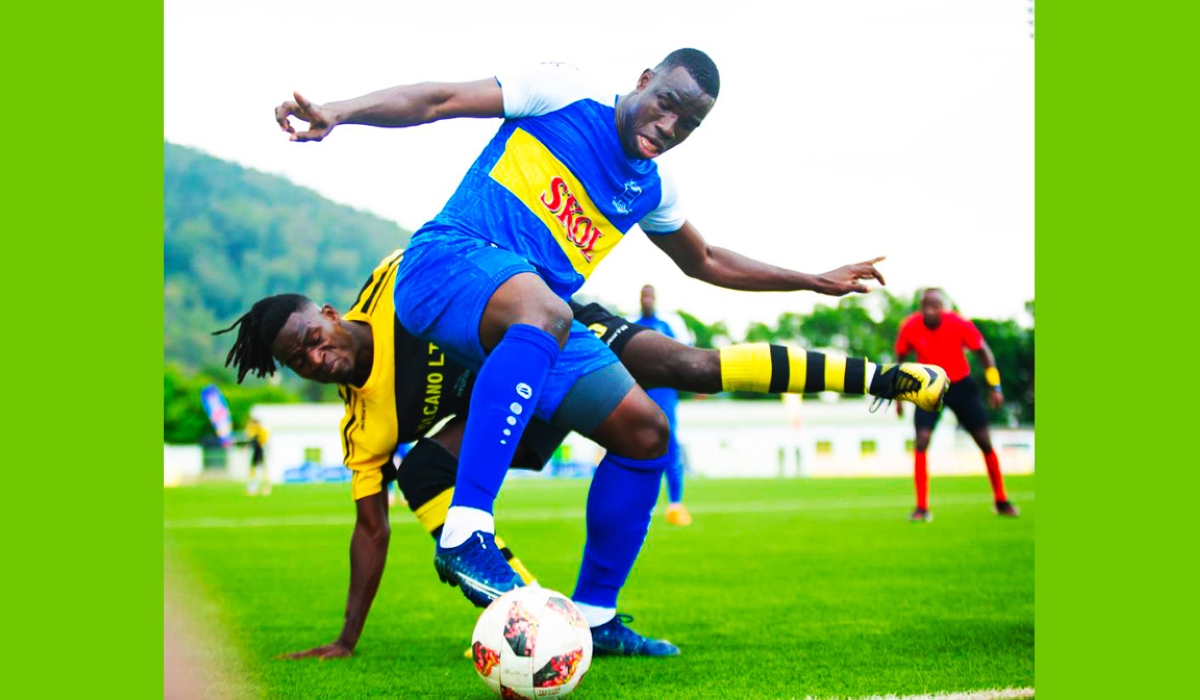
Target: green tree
184, 419
1012, 346
233, 235
707, 336
851, 326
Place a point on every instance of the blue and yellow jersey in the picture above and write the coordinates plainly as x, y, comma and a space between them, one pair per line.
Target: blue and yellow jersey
554, 185
411, 388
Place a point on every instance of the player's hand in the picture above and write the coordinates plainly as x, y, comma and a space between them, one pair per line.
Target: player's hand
336, 650
995, 399
846, 279
320, 122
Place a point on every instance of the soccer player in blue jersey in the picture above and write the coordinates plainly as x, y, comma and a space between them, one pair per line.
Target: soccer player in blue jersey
569, 172
668, 400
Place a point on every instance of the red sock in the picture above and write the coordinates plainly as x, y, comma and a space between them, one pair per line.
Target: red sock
993, 469
921, 479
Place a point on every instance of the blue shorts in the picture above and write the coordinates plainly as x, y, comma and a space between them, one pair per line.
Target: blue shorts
443, 285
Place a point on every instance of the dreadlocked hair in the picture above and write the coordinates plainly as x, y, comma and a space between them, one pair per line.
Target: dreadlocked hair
256, 330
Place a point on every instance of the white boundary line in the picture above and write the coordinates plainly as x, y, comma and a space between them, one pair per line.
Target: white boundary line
1004, 694
780, 506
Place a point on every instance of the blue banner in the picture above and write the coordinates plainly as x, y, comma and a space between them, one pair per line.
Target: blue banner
218, 413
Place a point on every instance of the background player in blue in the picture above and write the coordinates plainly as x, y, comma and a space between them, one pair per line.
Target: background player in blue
569, 172
668, 400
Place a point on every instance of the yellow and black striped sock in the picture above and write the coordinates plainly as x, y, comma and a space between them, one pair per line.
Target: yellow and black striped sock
517, 565
432, 515
782, 369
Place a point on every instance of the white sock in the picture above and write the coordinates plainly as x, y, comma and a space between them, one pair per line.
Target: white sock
462, 521
596, 616
869, 373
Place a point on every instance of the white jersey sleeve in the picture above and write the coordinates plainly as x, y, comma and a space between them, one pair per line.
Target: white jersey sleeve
668, 216
545, 87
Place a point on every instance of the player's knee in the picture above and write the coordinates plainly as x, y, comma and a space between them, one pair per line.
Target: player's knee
525, 300
426, 471
649, 437
552, 315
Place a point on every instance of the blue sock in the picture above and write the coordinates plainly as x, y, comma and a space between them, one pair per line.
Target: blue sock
667, 400
675, 474
675, 467
502, 402
620, 502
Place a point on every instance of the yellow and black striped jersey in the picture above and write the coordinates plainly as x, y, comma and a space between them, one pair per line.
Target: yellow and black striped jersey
411, 388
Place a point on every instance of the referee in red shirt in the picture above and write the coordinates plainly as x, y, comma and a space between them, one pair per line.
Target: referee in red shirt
937, 337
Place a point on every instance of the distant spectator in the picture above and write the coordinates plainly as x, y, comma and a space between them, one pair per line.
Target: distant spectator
259, 484
668, 400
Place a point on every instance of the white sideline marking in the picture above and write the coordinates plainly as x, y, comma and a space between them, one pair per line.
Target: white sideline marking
966, 695
784, 506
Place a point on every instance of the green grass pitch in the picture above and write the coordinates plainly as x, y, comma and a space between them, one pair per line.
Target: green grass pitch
781, 589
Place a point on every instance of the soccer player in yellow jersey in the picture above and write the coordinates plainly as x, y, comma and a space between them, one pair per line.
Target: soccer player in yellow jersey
259, 481
396, 388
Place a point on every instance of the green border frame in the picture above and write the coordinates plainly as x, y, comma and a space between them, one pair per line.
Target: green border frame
1116, 155
1116, 163
84, 246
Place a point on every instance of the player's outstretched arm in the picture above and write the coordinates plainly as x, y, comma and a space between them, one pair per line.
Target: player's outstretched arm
368, 553
404, 105
725, 268
995, 396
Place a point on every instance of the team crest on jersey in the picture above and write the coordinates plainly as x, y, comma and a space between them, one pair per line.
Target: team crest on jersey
623, 202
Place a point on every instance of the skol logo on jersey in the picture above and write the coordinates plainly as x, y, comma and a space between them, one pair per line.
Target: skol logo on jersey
557, 197
580, 230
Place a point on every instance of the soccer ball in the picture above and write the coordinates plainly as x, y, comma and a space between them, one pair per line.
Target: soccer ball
531, 642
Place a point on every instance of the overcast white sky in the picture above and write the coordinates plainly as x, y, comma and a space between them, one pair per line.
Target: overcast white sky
845, 129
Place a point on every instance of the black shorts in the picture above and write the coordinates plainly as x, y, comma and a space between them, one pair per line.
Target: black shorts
963, 398
593, 397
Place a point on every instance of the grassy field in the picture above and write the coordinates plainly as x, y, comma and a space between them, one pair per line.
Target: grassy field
781, 589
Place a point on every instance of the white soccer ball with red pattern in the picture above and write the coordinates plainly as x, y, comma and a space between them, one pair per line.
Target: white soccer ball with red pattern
532, 642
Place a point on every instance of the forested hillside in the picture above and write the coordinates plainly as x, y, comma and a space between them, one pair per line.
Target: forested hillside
234, 235
231, 236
